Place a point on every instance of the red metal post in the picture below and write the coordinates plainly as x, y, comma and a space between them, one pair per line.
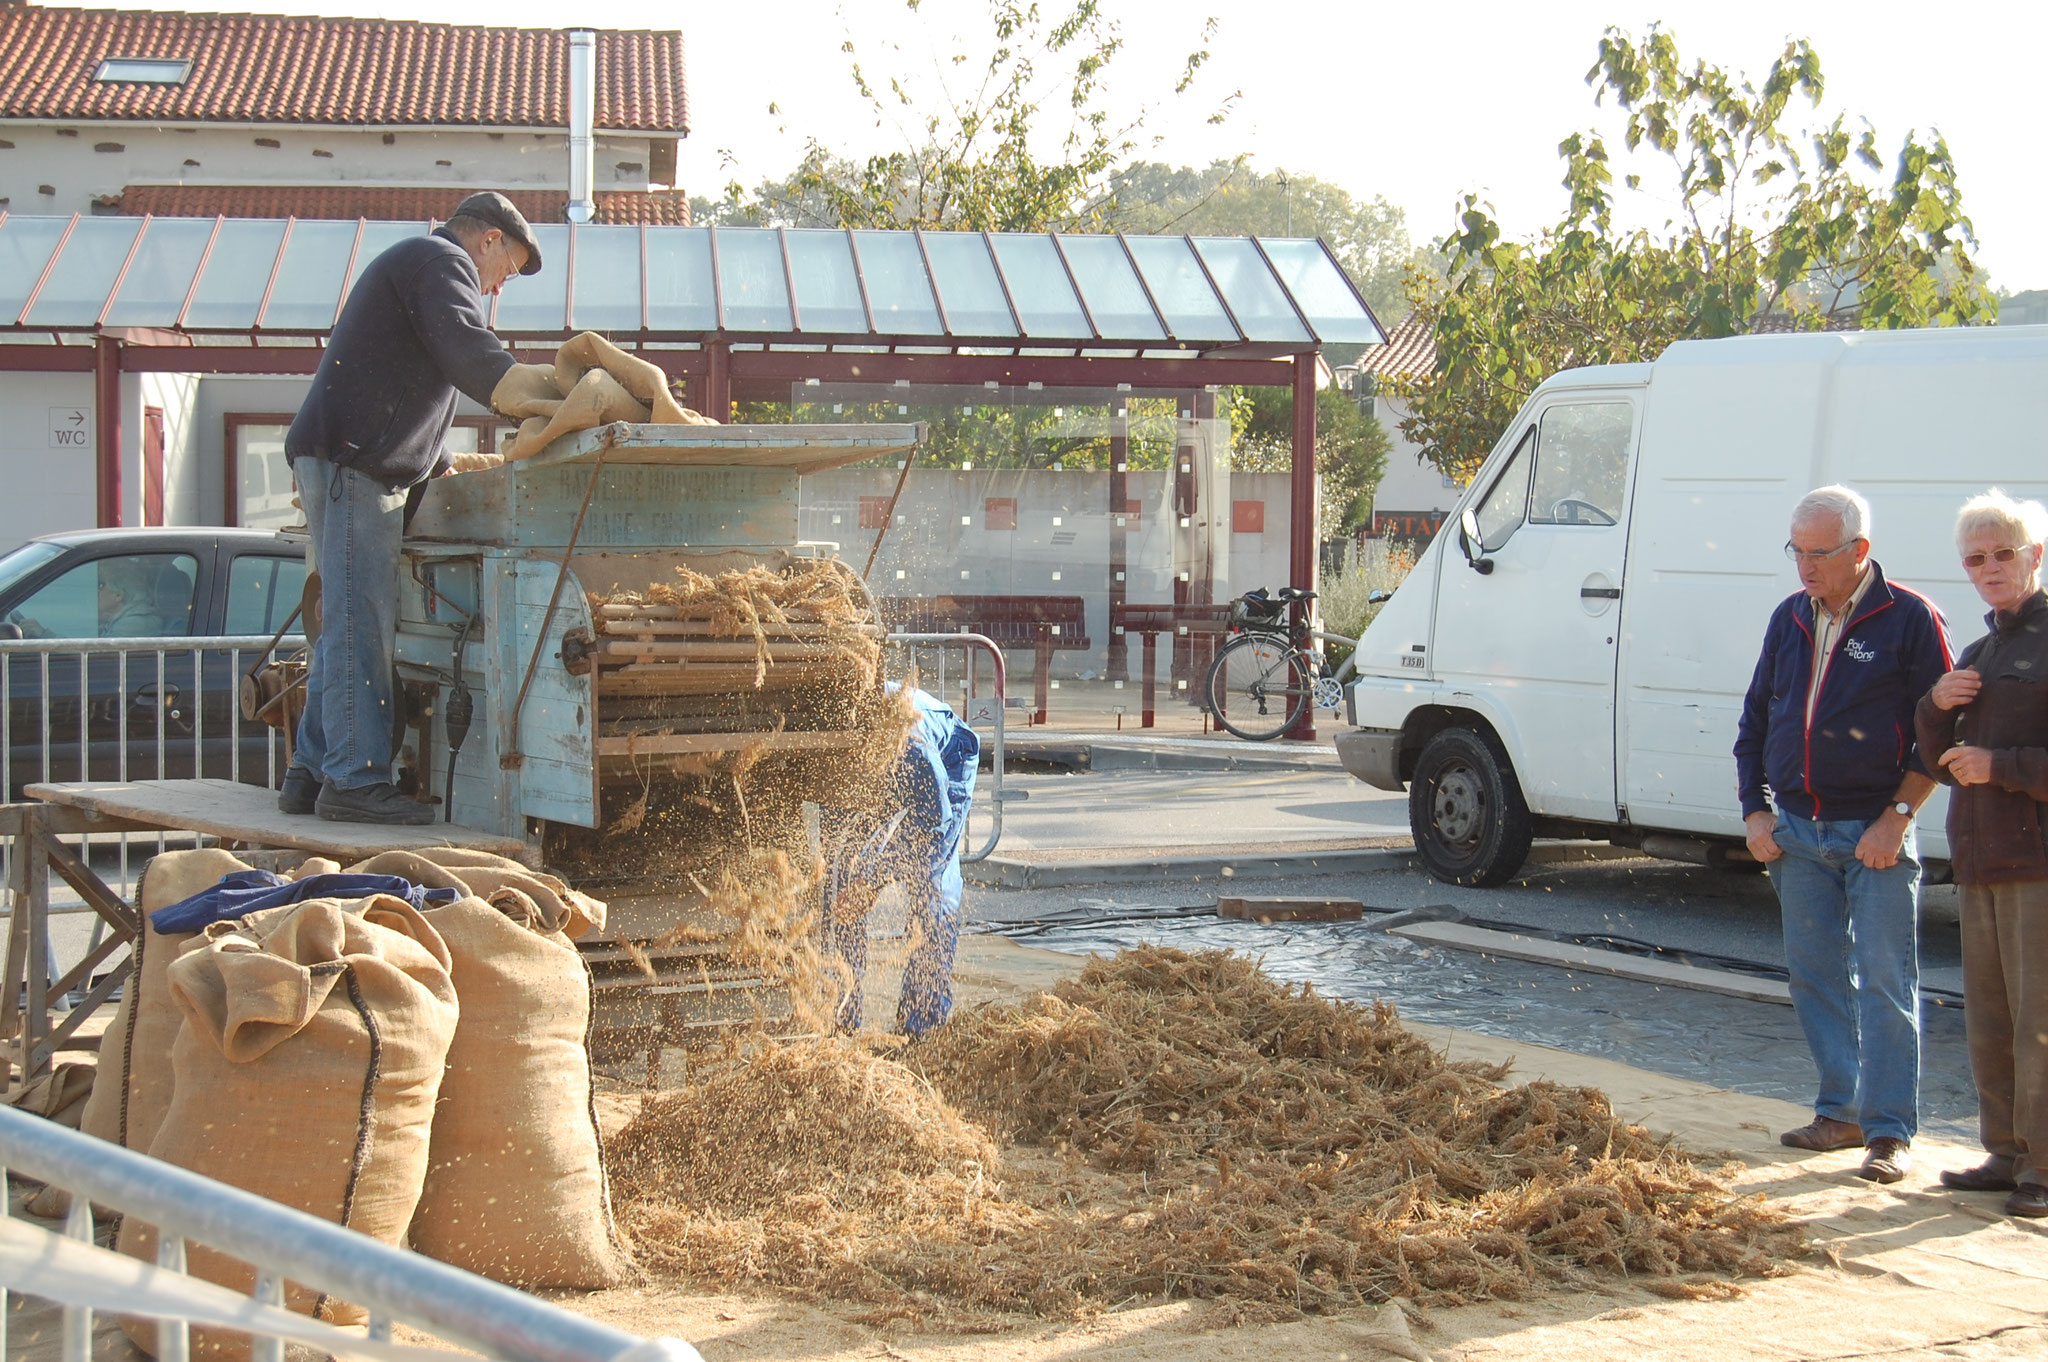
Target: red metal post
1117, 661
1301, 521
106, 400
1151, 665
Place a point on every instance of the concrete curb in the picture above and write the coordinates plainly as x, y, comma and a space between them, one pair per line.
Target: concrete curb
1110, 754
1592, 960
1000, 873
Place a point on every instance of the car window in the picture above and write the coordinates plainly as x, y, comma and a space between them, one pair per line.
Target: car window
263, 590
17, 566
1582, 464
1501, 510
133, 595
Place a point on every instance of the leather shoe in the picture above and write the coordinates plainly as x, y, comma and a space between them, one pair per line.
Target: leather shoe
299, 791
1992, 1175
1824, 1134
2029, 1199
372, 804
1889, 1160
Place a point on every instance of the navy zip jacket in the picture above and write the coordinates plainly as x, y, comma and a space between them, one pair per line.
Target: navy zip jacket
1848, 766
412, 333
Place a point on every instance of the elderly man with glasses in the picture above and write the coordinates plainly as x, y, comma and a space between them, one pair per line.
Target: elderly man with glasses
1826, 737
1984, 726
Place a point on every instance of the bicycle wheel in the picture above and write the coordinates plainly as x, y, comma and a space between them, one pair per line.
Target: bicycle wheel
1258, 686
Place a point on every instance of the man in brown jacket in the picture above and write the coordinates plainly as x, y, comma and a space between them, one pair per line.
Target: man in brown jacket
1984, 729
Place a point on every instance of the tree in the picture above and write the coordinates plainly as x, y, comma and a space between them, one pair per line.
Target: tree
1351, 450
985, 145
1773, 230
1230, 198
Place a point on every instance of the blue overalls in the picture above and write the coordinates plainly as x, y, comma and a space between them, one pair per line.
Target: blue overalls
934, 788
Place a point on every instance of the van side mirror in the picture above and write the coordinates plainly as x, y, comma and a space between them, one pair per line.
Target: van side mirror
1474, 545
1377, 597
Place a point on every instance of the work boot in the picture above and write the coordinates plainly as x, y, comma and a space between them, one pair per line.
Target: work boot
1824, 1134
1888, 1161
371, 804
300, 790
1992, 1175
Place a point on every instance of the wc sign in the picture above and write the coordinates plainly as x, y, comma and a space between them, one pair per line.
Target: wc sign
70, 428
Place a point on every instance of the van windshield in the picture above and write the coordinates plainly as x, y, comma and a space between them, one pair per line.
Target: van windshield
1501, 510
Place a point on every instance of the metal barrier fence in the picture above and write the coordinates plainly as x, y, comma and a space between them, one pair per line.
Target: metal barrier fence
131, 709
969, 704
394, 1285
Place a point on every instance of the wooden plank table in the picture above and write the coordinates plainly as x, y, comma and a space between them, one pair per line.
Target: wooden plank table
238, 812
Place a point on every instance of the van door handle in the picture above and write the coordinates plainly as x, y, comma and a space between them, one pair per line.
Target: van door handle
1599, 593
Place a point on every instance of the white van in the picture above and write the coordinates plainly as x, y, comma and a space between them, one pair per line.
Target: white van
1569, 656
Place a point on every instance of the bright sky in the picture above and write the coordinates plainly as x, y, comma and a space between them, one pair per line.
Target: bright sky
1417, 102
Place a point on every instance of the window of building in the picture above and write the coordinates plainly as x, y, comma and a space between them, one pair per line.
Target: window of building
143, 70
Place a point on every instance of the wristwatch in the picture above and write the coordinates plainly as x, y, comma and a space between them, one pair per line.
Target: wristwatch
1903, 809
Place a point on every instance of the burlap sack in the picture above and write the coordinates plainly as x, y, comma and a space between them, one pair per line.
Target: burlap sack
574, 914
516, 1184
133, 1088
311, 1054
591, 382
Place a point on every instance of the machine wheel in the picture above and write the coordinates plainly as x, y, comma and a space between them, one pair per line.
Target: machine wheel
1466, 810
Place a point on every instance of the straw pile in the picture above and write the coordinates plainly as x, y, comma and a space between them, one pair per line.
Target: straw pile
1172, 1125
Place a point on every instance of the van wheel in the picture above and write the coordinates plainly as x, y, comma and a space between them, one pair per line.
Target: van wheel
1466, 810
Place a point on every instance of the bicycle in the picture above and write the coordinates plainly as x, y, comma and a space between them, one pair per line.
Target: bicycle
1269, 674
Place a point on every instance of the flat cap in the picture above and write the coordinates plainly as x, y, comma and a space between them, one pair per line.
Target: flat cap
497, 210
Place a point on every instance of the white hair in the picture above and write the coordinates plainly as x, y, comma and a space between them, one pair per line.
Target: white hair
1839, 503
2018, 522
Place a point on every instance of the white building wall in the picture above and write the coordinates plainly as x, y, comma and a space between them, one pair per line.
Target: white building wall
177, 396
1411, 486
84, 161
51, 485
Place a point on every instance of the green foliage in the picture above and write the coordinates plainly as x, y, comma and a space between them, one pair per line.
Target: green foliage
1351, 450
1229, 198
1773, 229
1015, 137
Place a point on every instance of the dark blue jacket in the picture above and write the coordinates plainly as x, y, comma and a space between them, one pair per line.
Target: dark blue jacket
1850, 763
412, 332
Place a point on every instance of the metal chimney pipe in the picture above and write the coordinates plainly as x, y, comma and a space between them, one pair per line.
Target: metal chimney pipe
582, 115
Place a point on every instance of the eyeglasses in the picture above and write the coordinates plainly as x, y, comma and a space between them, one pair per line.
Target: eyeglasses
1977, 560
1799, 555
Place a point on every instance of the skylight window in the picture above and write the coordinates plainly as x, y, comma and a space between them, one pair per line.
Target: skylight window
144, 70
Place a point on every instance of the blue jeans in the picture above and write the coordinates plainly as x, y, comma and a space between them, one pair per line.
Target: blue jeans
345, 733
1852, 949
927, 996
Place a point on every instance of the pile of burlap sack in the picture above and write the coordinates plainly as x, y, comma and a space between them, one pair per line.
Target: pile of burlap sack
591, 383
417, 1076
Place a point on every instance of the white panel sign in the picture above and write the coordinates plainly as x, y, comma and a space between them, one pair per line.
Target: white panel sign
70, 428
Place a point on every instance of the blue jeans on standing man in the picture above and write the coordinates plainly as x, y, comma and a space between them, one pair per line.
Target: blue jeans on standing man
1852, 948
356, 526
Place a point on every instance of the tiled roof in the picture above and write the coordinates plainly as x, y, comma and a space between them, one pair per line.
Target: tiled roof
384, 203
260, 68
1410, 349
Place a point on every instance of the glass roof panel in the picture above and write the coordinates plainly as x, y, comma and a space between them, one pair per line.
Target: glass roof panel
232, 288
1321, 291
85, 271
1191, 306
1038, 283
540, 302
679, 296
1115, 297
26, 245
607, 279
827, 284
161, 273
379, 237
968, 287
309, 281
1255, 296
898, 291
751, 285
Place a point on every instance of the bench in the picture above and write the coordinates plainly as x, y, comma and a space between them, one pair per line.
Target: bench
1041, 623
1202, 625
